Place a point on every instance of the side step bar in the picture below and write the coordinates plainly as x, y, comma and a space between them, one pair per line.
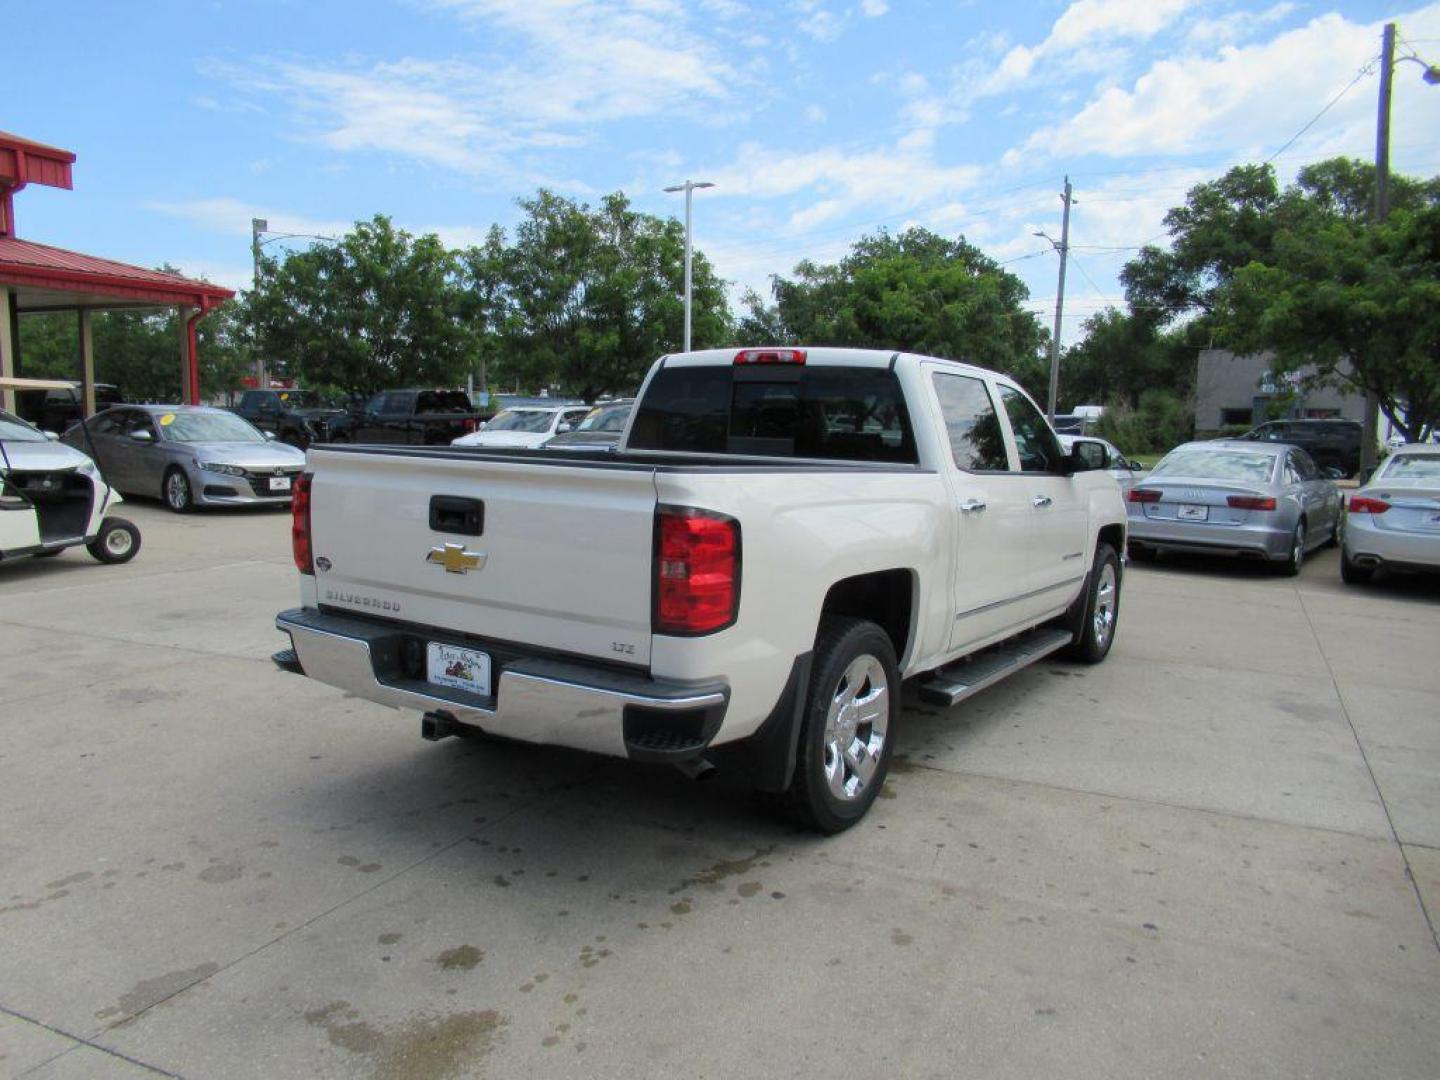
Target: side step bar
952, 685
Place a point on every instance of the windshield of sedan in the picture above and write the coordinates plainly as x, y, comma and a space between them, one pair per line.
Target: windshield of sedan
528, 420
13, 429
1413, 467
202, 427
605, 418
1218, 465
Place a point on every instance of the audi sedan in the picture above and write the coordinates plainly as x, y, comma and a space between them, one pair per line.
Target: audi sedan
1394, 520
188, 455
1229, 497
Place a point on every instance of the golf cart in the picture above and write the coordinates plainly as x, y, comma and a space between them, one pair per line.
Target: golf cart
52, 497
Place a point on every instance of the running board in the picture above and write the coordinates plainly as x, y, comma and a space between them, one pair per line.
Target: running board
952, 685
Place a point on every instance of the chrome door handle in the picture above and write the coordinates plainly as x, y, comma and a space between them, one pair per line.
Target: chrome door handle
1040, 501
972, 506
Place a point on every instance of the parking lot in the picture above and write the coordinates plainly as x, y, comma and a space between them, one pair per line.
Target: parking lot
1210, 856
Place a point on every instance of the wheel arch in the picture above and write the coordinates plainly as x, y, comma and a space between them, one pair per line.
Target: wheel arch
884, 597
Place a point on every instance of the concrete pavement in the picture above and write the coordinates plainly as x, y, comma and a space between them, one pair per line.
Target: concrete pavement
1193, 860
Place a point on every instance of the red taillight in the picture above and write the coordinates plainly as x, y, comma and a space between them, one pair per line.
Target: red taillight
468, 424
770, 356
300, 524
1144, 495
697, 571
1251, 502
1363, 504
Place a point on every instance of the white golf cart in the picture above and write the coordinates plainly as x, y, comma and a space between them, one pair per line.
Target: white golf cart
53, 497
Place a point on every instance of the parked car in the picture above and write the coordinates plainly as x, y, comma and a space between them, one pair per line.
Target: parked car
895, 516
1235, 497
1124, 470
52, 497
525, 426
1331, 443
408, 417
56, 408
600, 429
1394, 520
188, 455
297, 417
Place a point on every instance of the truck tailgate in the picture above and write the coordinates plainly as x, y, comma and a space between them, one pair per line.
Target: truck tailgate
566, 549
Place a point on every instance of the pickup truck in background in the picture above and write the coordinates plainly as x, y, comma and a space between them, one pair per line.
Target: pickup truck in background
408, 417
781, 537
297, 417
56, 410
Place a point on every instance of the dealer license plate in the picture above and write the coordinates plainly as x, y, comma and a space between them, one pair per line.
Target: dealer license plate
280, 483
460, 669
1192, 512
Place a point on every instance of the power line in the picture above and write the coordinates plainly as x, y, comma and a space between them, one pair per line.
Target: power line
1366, 70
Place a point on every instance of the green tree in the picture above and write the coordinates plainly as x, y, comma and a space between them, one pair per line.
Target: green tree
379, 308
914, 291
593, 296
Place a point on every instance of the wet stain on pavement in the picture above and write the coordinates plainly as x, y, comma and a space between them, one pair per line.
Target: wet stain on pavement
73, 879
220, 873
748, 888
713, 875
460, 958
900, 937
390, 938
423, 1047
149, 992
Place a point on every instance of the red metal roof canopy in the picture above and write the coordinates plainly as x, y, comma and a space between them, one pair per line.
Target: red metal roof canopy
27, 265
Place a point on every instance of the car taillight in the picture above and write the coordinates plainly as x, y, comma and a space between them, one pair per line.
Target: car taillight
468, 425
300, 524
1363, 504
770, 356
1144, 495
1251, 502
697, 570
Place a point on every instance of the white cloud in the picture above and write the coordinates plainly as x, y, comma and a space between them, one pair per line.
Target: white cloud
815, 114
1247, 100
874, 8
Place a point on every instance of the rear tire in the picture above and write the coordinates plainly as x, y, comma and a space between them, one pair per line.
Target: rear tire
1101, 612
117, 542
176, 491
1291, 566
1352, 573
848, 728
1333, 540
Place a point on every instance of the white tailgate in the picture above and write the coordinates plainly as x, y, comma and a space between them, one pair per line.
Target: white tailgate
567, 549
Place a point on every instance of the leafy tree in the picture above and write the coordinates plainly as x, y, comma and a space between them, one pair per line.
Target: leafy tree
379, 308
915, 291
593, 296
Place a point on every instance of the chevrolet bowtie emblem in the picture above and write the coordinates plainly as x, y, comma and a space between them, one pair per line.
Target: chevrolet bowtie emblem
455, 559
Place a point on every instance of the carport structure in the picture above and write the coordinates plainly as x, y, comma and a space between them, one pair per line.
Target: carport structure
40, 278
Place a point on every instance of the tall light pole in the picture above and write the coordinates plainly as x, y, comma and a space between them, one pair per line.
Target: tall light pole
688, 187
1063, 247
257, 226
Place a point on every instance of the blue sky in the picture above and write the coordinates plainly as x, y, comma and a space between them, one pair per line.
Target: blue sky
818, 120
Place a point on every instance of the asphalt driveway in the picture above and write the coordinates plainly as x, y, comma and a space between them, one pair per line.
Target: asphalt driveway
1210, 856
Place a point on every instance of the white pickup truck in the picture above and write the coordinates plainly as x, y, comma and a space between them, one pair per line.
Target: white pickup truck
782, 536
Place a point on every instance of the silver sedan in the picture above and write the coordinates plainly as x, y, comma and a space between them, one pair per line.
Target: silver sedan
1394, 520
1125, 471
188, 455
1264, 501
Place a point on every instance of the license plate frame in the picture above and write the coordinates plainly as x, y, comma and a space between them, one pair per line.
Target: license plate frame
458, 668
1192, 512
279, 484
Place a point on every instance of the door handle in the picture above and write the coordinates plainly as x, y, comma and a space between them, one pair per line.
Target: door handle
1040, 501
972, 506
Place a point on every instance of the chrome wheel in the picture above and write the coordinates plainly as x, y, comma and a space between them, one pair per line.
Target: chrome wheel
177, 491
1105, 606
118, 543
1297, 553
855, 726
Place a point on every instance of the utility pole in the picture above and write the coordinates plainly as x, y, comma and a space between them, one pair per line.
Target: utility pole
257, 226
1063, 247
688, 187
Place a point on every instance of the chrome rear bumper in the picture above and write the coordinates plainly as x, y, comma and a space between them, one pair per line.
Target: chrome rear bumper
533, 699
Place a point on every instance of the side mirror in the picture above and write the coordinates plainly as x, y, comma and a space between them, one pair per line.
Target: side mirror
1135, 466
52, 436
143, 436
1088, 455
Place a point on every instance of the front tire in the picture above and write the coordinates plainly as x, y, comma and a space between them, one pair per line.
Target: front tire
177, 492
117, 542
848, 729
1101, 615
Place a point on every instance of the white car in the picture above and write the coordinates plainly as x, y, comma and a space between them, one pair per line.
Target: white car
1394, 520
1125, 471
525, 426
781, 536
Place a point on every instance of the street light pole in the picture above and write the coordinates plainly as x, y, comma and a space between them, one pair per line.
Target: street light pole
257, 226
1063, 247
688, 187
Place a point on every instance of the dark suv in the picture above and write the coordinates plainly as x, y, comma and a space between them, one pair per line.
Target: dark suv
1330, 442
56, 410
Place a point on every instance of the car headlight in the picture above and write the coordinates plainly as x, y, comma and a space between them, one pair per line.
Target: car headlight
215, 466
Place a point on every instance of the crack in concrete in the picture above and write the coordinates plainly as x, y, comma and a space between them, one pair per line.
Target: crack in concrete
80, 1040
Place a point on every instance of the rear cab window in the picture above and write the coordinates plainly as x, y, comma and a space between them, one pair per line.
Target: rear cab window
819, 412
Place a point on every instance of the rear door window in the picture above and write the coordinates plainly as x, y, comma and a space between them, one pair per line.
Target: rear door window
828, 413
442, 401
977, 442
